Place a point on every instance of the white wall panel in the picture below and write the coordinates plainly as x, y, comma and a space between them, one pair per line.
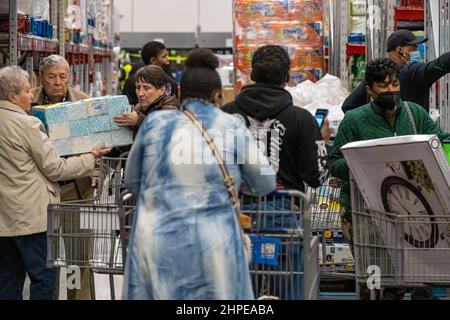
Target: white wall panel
175, 15
165, 16
125, 8
216, 15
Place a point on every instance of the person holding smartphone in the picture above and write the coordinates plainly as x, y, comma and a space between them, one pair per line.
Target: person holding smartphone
291, 136
299, 154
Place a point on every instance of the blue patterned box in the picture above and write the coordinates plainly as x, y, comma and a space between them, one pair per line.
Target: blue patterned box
80, 128
121, 137
51, 114
59, 130
101, 138
76, 111
82, 145
77, 127
100, 123
117, 105
64, 147
96, 106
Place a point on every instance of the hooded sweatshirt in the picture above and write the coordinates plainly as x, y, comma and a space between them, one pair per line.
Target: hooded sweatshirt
290, 135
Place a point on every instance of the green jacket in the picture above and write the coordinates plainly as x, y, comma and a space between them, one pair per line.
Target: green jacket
368, 122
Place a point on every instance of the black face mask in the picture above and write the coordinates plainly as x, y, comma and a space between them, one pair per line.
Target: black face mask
388, 100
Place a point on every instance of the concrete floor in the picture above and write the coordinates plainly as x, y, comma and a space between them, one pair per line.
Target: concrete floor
102, 287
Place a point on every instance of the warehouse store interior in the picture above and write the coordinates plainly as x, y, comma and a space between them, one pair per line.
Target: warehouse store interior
224, 150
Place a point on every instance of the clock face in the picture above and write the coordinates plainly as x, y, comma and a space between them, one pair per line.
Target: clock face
401, 197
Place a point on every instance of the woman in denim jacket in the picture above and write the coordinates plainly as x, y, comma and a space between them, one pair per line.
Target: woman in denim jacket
186, 241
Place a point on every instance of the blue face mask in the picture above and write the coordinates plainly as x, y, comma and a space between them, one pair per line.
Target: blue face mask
415, 56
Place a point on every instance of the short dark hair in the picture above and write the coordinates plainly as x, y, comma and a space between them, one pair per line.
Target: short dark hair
271, 64
152, 74
152, 49
200, 78
377, 70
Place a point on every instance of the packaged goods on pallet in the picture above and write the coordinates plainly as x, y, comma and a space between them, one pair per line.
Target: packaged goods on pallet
297, 25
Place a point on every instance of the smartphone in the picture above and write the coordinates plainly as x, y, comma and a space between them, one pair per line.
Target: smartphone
320, 116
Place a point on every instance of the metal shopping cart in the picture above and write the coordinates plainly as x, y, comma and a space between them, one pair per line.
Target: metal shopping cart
398, 251
326, 223
285, 255
93, 234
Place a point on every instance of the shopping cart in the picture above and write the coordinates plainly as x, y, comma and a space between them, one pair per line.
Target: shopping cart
398, 251
93, 234
326, 223
285, 255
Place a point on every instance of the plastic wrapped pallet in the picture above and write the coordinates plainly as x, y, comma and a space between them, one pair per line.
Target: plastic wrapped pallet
297, 25
62, 146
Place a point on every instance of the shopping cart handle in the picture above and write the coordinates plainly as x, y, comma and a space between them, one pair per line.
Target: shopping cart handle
126, 196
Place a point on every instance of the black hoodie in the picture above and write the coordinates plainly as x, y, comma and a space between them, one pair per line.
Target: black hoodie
302, 155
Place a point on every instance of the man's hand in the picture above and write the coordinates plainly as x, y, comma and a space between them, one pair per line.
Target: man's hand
99, 151
325, 131
128, 119
94, 182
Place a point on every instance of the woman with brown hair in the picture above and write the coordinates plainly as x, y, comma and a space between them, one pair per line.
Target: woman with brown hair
153, 94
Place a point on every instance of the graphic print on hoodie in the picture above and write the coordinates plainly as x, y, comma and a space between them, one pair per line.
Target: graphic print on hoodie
289, 136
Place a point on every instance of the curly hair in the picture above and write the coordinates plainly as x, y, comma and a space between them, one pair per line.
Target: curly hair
200, 78
271, 64
377, 70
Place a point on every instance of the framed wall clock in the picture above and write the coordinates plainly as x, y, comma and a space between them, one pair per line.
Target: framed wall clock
402, 197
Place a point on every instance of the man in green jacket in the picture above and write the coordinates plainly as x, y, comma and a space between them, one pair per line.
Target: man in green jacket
385, 116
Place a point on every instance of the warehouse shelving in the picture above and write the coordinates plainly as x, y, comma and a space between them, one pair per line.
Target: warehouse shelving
86, 62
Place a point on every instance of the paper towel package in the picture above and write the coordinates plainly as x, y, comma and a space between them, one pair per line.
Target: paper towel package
96, 106
116, 104
80, 128
100, 138
409, 176
51, 114
59, 130
100, 123
120, 137
76, 111
62, 146
77, 127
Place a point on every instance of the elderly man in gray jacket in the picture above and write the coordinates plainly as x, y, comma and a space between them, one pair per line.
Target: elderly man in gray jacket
29, 171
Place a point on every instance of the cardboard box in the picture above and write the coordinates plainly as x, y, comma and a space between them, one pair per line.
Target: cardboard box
336, 253
228, 95
410, 177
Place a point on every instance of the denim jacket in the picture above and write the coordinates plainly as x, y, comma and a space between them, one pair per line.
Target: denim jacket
186, 241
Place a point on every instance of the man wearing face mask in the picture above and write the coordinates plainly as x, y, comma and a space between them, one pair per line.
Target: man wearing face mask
387, 115
416, 78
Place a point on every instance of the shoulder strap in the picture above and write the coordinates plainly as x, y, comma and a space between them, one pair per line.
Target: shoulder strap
411, 117
227, 178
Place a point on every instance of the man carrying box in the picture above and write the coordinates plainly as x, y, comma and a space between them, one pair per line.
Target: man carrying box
55, 74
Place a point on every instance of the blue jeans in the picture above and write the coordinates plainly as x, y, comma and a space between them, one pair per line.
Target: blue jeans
276, 218
23, 255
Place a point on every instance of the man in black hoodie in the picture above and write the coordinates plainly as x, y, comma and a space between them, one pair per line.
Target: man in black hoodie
296, 148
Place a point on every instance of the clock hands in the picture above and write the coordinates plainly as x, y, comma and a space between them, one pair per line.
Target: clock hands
398, 201
419, 230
